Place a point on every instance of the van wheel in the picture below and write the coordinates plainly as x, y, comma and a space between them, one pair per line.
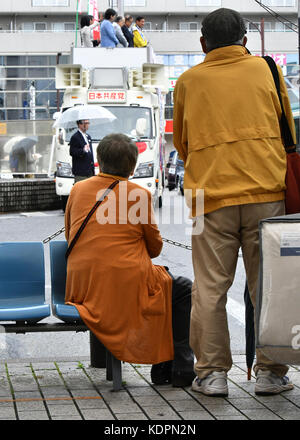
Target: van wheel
160, 201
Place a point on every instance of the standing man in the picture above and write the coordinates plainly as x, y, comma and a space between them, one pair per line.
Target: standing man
127, 31
139, 39
81, 151
232, 149
118, 25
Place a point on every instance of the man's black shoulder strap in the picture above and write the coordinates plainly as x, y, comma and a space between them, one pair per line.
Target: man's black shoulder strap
94, 208
285, 128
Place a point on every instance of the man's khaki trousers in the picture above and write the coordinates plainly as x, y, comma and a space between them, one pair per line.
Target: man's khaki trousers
215, 254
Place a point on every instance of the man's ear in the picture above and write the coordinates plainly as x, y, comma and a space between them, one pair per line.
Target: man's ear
203, 44
245, 39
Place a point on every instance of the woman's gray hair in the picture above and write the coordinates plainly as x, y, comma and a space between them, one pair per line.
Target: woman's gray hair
223, 27
117, 154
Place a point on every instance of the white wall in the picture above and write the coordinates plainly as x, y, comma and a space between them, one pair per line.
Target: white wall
172, 42
36, 42
164, 42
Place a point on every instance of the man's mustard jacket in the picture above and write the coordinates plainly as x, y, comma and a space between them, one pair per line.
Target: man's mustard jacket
139, 39
226, 129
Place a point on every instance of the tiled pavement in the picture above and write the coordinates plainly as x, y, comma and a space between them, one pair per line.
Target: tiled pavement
66, 390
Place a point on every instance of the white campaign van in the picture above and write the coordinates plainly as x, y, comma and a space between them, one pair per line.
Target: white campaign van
132, 88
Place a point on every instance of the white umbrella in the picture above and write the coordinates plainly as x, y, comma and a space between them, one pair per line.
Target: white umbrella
94, 113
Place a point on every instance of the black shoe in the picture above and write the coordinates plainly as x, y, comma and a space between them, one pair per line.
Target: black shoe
182, 378
161, 374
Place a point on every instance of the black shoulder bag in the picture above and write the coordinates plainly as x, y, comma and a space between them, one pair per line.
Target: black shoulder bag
94, 208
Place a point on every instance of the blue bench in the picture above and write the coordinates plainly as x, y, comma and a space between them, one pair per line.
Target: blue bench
22, 298
22, 285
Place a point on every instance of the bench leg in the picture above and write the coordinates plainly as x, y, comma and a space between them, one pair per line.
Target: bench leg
97, 352
109, 366
117, 373
114, 371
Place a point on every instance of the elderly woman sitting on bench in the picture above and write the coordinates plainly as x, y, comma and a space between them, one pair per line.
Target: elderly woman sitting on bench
138, 310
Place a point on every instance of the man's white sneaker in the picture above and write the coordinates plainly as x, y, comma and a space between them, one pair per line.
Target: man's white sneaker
215, 384
267, 383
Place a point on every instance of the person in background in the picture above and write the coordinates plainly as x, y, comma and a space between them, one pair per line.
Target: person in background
139, 39
127, 31
107, 32
119, 33
95, 42
81, 150
87, 23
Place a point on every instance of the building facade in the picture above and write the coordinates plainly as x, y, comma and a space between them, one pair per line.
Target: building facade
37, 34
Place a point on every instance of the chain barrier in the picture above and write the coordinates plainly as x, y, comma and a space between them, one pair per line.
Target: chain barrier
166, 240
46, 240
176, 243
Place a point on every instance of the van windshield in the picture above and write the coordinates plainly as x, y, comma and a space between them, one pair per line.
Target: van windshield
125, 122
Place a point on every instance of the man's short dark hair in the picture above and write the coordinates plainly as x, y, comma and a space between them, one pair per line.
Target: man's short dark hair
128, 17
117, 154
139, 18
223, 27
109, 13
85, 20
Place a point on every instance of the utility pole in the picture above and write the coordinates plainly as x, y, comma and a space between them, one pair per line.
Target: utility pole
32, 92
298, 32
58, 91
298, 134
261, 30
262, 36
120, 6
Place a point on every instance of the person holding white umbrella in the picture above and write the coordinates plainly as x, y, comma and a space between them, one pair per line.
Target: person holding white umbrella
81, 151
81, 143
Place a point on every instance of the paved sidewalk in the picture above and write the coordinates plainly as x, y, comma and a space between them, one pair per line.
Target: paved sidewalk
66, 390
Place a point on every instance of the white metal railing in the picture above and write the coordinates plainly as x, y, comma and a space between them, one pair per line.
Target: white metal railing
51, 31
33, 31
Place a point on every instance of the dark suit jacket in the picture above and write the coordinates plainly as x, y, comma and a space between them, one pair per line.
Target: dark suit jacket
82, 162
128, 35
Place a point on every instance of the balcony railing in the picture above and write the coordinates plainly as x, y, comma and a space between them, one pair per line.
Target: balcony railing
22, 31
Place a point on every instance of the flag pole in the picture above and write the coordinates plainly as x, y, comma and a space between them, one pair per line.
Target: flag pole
77, 12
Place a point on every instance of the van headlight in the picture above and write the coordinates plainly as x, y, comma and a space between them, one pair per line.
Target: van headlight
144, 170
63, 169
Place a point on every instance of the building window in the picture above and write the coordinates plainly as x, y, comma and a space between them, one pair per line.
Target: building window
203, 2
129, 3
188, 26
284, 27
31, 27
267, 26
62, 27
37, 3
147, 26
279, 2
15, 81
